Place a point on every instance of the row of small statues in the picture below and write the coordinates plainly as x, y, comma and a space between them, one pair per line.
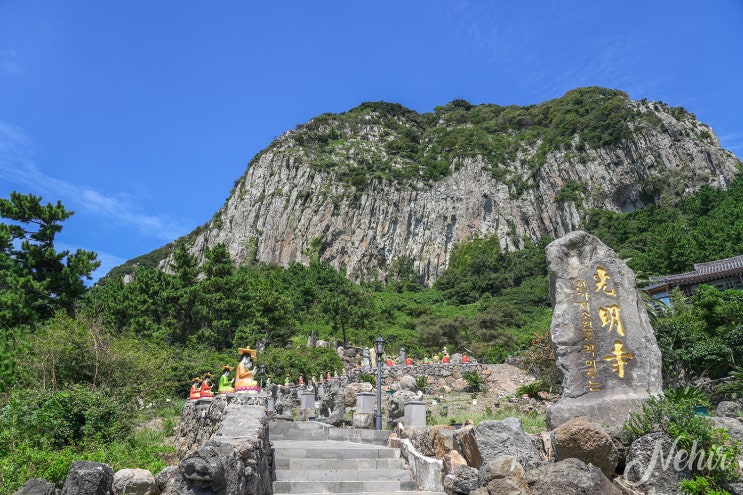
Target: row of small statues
408, 361
243, 382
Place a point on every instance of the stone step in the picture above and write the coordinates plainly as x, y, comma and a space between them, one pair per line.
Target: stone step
311, 430
306, 464
342, 486
342, 475
331, 449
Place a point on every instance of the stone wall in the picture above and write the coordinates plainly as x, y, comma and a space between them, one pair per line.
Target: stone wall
223, 448
439, 376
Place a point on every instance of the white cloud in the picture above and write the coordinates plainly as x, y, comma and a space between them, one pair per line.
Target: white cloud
17, 166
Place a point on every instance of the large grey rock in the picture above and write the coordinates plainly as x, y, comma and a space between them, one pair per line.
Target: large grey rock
504, 475
466, 480
166, 478
584, 438
569, 477
729, 409
505, 437
89, 478
732, 425
135, 482
37, 486
651, 466
605, 346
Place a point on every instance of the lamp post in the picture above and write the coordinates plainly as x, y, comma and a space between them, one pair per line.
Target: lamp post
263, 373
379, 347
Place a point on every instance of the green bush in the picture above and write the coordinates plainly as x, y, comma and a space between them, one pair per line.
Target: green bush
673, 413
475, 382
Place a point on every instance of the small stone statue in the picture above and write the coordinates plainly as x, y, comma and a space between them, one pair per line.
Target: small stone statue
425, 359
195, 392
465, 359
244, 381
408, 392
445, 353
225, 382
206, 387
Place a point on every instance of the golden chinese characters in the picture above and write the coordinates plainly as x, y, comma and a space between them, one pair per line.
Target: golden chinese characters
618, 358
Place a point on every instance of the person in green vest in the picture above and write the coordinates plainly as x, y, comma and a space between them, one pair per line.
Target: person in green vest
225, 382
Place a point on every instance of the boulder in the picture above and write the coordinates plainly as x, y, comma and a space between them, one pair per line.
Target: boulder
166, 478
505, 437
605, 347
89, 478
729, 409
504, 475
569, 477
37, 486
733, 426
453, 462
464, 482
363, 421
650, 465
584, 438
734, 487
135, 482
353, 389
465, 444
442, 440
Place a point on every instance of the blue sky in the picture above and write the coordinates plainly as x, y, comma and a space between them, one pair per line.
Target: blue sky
140, 115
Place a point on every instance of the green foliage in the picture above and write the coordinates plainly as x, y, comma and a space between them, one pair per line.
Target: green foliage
379, 140
307, 361
572, 191
701, 485
691, 336
533, 389
421, 382
673, 414
474, 381
661, 239
44, 433
35, 279
539, 360
368, 378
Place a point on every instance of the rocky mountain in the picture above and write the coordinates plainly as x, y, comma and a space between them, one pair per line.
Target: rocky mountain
380, 182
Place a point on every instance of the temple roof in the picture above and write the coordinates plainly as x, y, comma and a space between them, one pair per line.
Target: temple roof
702, 272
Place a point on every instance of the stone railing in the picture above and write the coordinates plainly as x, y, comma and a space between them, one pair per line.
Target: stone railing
223, 447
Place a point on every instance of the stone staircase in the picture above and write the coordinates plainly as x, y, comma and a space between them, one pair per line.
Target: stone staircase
312, 458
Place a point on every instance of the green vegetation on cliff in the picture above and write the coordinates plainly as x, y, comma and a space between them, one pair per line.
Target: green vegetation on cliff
380, 140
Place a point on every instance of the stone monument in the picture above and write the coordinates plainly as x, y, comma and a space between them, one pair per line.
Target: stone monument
604, 344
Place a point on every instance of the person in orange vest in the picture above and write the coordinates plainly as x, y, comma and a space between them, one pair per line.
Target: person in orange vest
195, 389
206, 387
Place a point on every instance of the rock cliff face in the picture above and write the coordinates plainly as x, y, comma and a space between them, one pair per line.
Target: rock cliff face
381, 182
